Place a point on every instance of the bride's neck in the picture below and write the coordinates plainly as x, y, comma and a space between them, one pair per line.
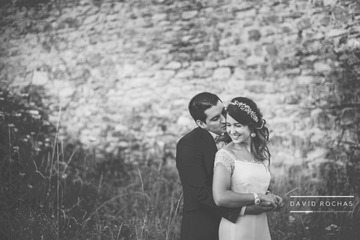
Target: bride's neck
242, 146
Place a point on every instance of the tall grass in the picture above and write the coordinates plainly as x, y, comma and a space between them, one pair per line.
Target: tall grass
52, 189
146, 208
55, 190
299, 180
35, 174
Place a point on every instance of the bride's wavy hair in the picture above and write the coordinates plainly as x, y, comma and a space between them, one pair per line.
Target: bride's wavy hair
246, 112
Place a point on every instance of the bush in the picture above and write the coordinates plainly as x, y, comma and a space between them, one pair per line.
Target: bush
39, 196
55, 190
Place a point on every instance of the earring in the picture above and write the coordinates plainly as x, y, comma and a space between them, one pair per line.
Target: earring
253, 135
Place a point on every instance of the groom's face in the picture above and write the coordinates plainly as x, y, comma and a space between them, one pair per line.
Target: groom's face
215, 119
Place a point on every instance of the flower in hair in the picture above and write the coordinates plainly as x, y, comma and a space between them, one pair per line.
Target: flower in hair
246, 108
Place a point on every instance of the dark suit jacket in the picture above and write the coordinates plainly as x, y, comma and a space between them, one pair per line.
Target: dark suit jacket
195, 156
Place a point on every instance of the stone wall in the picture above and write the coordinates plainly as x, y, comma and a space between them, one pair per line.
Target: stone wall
121, 73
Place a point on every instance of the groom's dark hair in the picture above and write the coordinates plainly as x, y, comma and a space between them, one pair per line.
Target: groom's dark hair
200, 102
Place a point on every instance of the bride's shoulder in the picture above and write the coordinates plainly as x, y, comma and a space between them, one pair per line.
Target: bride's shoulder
221, 150
224, 158
224, 151
227, 148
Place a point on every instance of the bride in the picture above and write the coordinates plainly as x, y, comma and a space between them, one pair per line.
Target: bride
241, 172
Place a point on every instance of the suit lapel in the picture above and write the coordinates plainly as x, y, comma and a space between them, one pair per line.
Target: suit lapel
210, 149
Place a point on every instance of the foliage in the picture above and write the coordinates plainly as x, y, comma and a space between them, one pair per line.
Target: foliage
38, 195
339, 174
52, 190
55, 190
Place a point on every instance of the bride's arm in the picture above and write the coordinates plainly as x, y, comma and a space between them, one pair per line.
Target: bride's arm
224, 197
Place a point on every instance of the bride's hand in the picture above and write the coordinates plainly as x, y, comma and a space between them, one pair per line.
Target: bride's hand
279, 202
267, 200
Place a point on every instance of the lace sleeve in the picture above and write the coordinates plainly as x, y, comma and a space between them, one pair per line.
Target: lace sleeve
225, 159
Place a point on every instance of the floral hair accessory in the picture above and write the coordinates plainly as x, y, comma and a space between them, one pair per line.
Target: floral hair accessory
246, 108
262, 124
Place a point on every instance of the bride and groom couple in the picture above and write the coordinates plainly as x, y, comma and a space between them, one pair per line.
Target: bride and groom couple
224, 170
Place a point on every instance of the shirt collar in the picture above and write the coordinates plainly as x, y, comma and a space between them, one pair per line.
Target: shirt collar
214, 135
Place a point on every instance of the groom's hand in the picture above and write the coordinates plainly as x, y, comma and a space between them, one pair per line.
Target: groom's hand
278, 201
257, 209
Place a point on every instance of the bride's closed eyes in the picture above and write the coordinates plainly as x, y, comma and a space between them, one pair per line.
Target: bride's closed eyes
238, 125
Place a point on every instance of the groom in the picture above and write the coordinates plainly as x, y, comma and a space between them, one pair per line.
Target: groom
195, 156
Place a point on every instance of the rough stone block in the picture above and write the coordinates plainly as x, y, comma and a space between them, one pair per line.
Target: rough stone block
304, 80
185, 74
202, 73
322, 119
272, 50
66, 92
222, 73
322, 67
173, 65
281, 125
272, 19
353, 44
39, 78
229, 62
189, 15
240, 73
246, 13
325, 20
317, 153
268, 31
164, 74
336, 33
254, 35
159, 17
303, 23
254, 61
292, 71
341, 15
210, 64
292, 99
91, 19
348, 116
260, 87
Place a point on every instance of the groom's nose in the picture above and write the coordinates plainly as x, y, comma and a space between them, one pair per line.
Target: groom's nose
222, 118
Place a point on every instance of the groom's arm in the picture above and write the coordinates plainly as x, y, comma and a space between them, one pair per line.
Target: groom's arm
257, 209
189, 160
193, 175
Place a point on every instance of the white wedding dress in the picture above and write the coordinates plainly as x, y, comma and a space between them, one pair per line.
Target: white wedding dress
246, 177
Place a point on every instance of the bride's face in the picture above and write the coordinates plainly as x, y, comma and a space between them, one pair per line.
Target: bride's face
238, 133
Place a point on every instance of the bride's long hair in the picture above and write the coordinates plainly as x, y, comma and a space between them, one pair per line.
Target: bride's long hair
246, 112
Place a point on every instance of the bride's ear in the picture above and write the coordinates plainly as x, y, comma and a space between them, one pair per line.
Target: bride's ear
201, 124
